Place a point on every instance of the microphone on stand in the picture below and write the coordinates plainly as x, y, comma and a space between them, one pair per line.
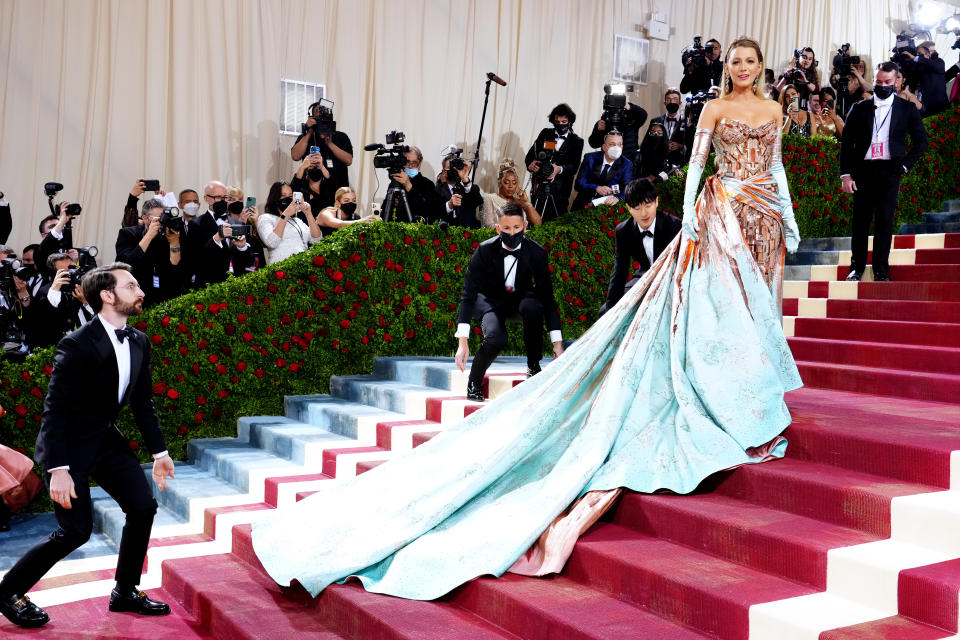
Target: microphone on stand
500, 81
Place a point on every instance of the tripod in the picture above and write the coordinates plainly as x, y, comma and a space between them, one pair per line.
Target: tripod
544, 202
396, 203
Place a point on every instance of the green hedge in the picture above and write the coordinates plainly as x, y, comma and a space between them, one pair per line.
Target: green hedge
237, 348
823, 210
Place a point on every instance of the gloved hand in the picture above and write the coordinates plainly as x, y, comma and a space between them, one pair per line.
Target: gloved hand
790, 230
691, 226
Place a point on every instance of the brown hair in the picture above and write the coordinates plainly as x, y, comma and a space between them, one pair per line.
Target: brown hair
101, 279
726, 86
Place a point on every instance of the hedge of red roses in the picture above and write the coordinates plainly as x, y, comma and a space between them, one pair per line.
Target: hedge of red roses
823, 210
237, 348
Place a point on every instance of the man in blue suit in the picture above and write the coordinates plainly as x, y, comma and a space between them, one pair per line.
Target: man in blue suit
604, 173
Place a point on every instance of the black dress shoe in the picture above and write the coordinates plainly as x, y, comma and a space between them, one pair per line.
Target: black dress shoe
854, 276
23, 613
137, 602
881, 276
532, 371
474, 391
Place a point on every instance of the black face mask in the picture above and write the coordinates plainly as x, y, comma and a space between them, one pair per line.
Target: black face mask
284, 203
236, 207
672, 108
511, 241
219, 208
882, 92
315, 174
348, 208
561, 129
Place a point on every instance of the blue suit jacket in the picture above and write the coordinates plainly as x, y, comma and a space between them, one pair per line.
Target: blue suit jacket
620, 172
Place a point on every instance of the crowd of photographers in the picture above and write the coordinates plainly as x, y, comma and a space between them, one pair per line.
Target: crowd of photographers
180, 242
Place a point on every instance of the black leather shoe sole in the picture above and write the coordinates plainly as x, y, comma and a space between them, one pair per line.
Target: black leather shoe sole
137, 606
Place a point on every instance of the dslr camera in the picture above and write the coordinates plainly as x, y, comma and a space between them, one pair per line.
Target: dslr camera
545, 158
87, 263
456, 165
51, 189
695, 56
904, 51
614, 105
390, 158
325, 124
10, 267
171, 219
843, 61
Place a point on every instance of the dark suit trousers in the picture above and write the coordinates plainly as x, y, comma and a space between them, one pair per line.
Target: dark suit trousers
875, 200
118, 472
493, 323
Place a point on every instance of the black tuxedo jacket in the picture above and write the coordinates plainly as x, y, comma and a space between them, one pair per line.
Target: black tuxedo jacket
858, 134
155, 261
568, 157
81, 407
48, 323
485, 276
630, 248
466, 214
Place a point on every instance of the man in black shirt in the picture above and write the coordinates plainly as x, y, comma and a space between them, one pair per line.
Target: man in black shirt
674, 128
551, 194
425, 203
336, 149
462, 198
154, 256
697, 79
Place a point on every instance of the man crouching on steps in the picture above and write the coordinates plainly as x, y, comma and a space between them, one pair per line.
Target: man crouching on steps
507, 279
97, 370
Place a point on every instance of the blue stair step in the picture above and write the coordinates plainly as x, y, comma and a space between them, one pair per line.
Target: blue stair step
338, 415
109, 518
29, 529
951, 205
232, 460
941, 217
291, 439
438, 372
824, 244
813, 257
938, 227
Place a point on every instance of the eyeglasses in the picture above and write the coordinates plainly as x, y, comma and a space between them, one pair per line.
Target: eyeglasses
217, 198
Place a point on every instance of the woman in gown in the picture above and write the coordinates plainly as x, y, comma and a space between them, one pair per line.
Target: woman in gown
684, 377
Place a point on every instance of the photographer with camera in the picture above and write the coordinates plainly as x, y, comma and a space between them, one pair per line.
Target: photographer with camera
929, 80
702, 67
463, 198
425, 204
56, 236
230, 249
553, 160
59, 306
621, 115
603, 174
16, 305
803, 75
319, 136
153, 249
282, 233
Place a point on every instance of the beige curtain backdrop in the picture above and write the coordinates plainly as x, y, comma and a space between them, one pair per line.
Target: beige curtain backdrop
97, 93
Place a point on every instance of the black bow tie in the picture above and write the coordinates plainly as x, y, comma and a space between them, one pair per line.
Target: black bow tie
646, 234
506, 252
126, 332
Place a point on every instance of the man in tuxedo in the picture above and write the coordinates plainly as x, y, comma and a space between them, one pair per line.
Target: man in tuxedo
98, 369
154, 255
629, 127
425, 203
58, 307
873, 158
507, 276
603, 174
673, 126
552, 187
641, 239
462, 198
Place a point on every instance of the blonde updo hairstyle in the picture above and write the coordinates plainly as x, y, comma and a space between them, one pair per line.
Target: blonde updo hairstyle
507, 166
726, 86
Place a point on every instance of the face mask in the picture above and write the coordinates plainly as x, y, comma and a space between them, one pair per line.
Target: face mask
614, 152
219, 208
672, 108
315, 174
284, 203
882, 92
348, 208
413, 173
236, 208
511, 241
191, 209
561, 129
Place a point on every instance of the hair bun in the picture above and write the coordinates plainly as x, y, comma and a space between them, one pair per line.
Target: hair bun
506, 166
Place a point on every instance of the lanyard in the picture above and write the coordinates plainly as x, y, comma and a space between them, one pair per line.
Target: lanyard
510, 270
876, 127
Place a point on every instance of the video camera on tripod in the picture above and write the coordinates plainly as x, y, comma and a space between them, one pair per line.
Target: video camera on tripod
390, 158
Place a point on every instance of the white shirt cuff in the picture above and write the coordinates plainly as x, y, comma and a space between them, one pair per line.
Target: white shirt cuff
160, 455
449, 208
65, 467
845, 175
56, 234
54, 297
555, 336
463, 330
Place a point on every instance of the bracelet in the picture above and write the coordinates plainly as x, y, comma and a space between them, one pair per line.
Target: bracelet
174, 249
24, 298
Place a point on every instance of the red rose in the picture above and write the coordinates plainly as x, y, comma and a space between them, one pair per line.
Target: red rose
156, 339
345, 323
134, 445
241, 366
387, 337
202, 344
407, 240
172, 394
281, 363
223, 393
409, 333
182, 430
258, 373
337, 275
159, 388
247, 337
166, 321
141, 326
21, 409
295, 367
221, 369
201, 400
426, 277
280, 275
318, 261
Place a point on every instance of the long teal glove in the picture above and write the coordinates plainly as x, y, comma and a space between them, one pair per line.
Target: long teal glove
691, 226
790, 229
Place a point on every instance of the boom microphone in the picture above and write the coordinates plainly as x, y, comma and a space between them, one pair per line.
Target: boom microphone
500, 81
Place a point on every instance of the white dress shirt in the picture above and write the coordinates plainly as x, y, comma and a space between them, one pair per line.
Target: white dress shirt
648, 240
296, 237
509, 282
881, 128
